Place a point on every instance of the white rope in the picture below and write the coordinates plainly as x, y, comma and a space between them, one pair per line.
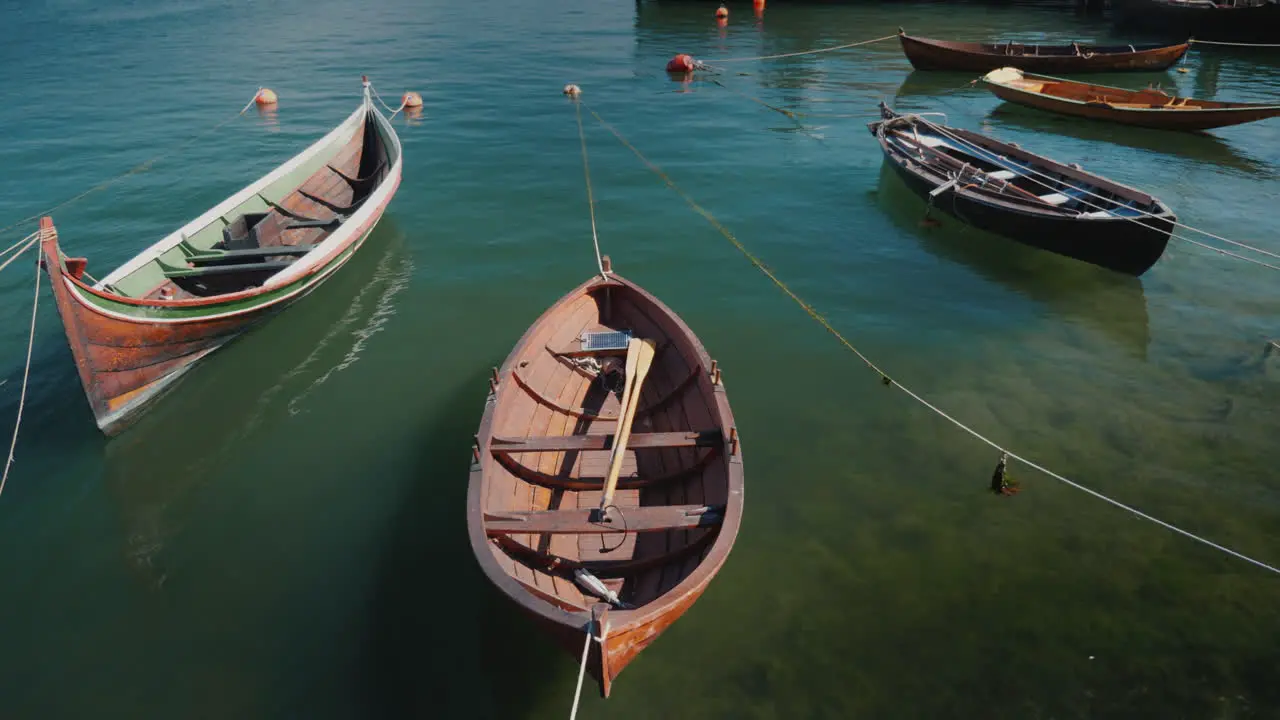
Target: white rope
888, 380
14, 246
591, 202
582, 670
805, 52
141, 167
26, 372
1216, 42
29, 240
382, 102
1064, 184
1078, 486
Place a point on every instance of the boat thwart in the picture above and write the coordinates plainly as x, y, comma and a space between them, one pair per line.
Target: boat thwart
139, 328
1001, 188
604, 496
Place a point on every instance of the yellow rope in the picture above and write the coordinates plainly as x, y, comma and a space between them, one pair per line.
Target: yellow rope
139, 168
741, 248
805, 52
893, 383
586, 173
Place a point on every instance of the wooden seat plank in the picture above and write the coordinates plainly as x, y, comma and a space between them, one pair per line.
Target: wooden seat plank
706, 438
581, 521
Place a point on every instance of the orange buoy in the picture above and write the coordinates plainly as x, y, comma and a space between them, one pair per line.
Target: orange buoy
722, 11
411, 100
572, 90
682, 64
759, 4
265, 96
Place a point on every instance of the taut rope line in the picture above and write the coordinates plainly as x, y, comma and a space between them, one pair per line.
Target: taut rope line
29, 241
141, 167
891, 382
1082, 191
582, 669
26, 372
805, 52
1234, 44
586, 173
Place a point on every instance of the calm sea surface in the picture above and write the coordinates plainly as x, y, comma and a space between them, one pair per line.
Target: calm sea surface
283, 536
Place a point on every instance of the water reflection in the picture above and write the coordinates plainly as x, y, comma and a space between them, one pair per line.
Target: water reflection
155, 470
1109, 302
269, 117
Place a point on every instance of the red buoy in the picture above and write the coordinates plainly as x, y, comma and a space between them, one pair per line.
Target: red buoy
411, 100
722, 12
265, 97
682, 64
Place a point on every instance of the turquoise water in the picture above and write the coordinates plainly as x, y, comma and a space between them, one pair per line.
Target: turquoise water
283, 536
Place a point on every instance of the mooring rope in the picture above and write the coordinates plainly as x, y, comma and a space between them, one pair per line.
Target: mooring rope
29, 241
1031, 171
139, 168
805, 52
582, 669
26, 372
1234, 44
586, 173
395, 112
887, 380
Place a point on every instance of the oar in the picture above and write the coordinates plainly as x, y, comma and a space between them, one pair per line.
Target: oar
639, 360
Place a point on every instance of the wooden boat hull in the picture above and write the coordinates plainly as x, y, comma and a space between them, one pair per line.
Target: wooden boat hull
1117, 244
125, 364
1100, 102
1120, 228
139, 329
532, 570
1247, 24
927, 54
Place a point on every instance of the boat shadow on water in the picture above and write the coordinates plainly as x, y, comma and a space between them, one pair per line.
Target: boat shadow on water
1111, 303
155, 469
444, 642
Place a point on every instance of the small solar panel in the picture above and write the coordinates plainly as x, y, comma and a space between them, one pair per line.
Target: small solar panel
610, 340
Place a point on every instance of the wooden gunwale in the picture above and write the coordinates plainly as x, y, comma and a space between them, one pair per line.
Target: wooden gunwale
928, 53
1040, 162
1123, 105
666, 606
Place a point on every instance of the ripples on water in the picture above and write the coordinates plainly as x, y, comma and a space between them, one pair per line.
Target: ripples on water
284, 533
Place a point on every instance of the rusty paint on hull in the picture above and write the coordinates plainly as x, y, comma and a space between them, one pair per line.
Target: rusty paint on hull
126, 364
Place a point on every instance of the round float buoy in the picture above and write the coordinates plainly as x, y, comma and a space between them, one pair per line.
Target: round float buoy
265, 96
1183, 70
411, 100
682, 64
572, 90
722, 12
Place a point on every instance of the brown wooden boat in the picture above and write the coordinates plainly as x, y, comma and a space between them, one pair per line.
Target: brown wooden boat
143, 325
1150, 108
577, 547
927, 54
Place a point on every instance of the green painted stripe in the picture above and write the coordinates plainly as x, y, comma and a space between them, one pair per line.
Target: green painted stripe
150, 312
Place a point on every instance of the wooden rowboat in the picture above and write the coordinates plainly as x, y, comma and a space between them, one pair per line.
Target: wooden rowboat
549, 438
1150, 108
145, 324
926, 54
1003, 189
1242, 21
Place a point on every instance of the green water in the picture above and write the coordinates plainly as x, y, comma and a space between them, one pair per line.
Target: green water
283, 536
